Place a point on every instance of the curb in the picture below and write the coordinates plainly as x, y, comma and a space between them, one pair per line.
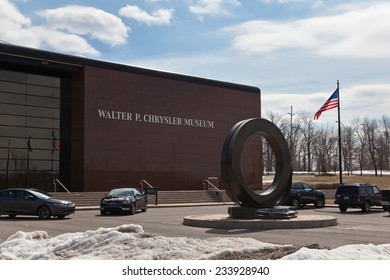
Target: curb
92, 207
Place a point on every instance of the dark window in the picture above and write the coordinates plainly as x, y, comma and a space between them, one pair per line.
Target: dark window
29, 128
347, 190
307, 187
296, 186
7, 194
20, 194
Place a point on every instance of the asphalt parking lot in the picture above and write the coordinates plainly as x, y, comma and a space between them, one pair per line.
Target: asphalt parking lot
354, 227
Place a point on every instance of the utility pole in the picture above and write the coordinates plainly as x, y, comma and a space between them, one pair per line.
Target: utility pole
291, 126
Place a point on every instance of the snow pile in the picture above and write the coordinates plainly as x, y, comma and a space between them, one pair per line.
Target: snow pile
123, 242
347, 252
131, 242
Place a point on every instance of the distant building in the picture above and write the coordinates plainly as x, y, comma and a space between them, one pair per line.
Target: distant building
96, 125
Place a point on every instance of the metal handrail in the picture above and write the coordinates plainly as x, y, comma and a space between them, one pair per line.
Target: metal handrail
144, 181
209, 184
152, 190
55, 186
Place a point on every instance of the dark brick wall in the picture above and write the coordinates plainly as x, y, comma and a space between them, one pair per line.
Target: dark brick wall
124, 144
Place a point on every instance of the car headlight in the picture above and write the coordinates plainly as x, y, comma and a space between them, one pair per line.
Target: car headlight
62, 203
59, 204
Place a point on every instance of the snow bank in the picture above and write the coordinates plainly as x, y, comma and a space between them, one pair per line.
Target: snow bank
131, 242
123, 242
347, 252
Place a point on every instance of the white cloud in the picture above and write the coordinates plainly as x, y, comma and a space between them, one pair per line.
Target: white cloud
81, 20
212, 7
353, 100
362, 32
281, 1
18, 29
10, 17
64, 42
158, 17
12, 22
316, 4
366, 100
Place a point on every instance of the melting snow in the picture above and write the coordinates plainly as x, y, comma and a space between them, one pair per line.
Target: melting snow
131, 242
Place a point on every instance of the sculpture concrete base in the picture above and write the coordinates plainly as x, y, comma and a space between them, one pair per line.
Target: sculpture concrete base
277, 212
223, 221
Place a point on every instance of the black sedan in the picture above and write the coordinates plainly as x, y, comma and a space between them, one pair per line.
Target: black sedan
123, 200
302, 193
33, 202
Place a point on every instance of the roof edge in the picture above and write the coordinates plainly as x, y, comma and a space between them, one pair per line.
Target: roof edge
72, 63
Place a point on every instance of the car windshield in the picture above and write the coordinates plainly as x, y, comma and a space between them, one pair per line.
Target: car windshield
40, 194
347, 190
121, 192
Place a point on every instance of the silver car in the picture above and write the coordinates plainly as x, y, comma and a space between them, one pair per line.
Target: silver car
33, 202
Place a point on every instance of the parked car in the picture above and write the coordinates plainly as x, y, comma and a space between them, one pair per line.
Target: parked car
385, 200
123, 200
302, 193
357, 196
20, 201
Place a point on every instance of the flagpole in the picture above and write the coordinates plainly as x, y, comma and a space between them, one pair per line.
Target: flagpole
339, 128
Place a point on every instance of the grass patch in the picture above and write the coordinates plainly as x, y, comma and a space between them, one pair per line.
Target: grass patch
332, 181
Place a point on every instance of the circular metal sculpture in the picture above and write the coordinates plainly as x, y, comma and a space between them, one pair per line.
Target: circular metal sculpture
232, 177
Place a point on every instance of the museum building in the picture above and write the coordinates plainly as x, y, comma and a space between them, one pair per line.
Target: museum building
94, 125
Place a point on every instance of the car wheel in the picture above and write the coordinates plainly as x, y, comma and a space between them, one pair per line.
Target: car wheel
343, 208
295, 202
144, 208
366, 206
132, 209
61, 216
319, 203
386, 208
12, 216
44, 213
103, 212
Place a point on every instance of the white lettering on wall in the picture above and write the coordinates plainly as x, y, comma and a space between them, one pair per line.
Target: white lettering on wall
115, 115
154, 119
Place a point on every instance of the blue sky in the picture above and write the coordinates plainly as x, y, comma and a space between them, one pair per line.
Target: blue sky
293, 50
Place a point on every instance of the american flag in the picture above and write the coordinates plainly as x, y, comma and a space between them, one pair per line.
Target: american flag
55, 143
331, 103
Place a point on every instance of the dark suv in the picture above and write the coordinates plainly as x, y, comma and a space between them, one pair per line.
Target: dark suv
357, 196
302, 193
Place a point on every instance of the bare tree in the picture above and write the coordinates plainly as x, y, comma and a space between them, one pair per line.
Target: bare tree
370, 130
348, 142
325, 149
365, 144
385, 123
268, 155
307, 138
362, 143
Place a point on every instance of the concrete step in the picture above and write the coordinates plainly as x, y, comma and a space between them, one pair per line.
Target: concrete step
163, 197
